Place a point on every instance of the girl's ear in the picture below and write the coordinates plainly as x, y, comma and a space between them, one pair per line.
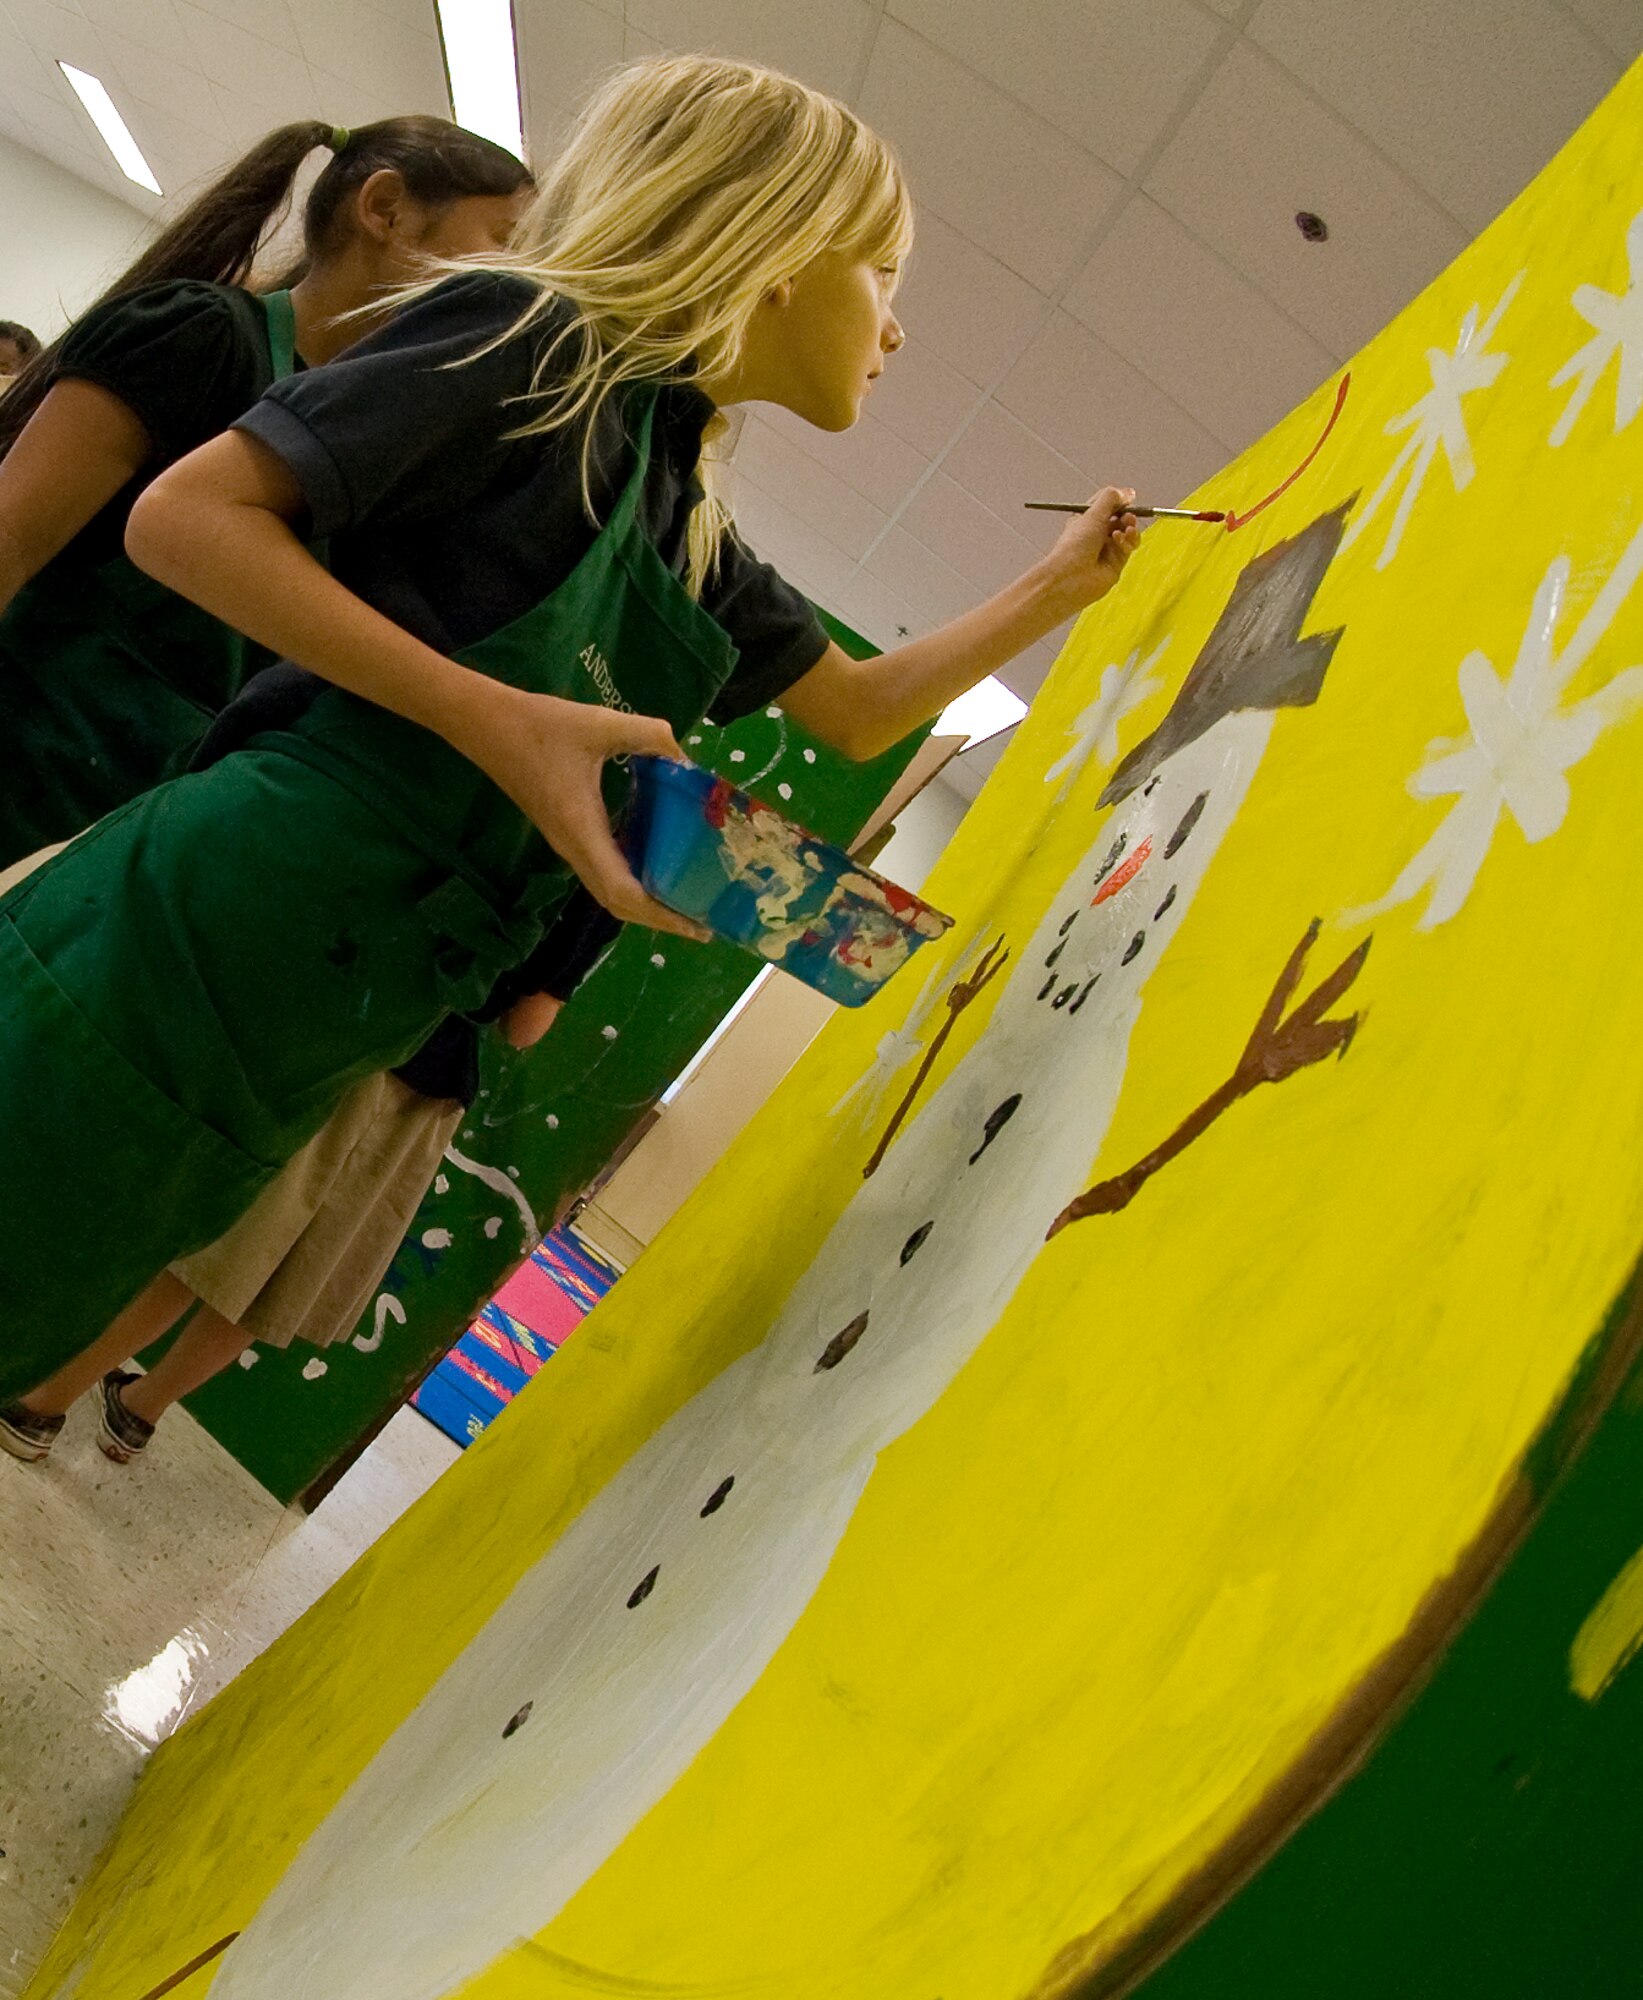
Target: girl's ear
379, 207
780, 294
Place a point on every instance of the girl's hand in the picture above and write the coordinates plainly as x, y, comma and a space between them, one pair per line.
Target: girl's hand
1091, 551
529, 1019
548, 754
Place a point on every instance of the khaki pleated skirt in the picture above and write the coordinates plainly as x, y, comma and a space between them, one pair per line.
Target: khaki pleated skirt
305, 1259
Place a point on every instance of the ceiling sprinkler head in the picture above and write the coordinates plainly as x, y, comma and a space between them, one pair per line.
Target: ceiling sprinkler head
1312, 227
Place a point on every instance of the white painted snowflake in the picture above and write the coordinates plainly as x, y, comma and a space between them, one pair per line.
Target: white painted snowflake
1437, 419
1095, 732
1521, 741
1618, 318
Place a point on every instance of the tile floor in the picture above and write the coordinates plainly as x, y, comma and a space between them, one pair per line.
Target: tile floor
128, 1596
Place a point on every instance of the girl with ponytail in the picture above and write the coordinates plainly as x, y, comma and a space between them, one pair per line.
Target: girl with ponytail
533, 573
106, 678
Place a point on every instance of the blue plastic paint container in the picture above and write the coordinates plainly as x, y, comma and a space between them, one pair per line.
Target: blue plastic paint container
759, 880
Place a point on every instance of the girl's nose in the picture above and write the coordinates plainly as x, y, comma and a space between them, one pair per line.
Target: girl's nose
892, 337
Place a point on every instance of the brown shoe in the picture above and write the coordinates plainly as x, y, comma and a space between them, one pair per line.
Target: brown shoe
121, 1433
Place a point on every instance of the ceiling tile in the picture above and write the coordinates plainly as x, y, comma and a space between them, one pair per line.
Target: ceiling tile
934, 589
777, 536
963, 305
1191, 324
1617, 24
1107, 417
1020, 188
168, 94
59, 34
872, 459
1028, 671
922, 400
967, 536
1471, 98
1107, 74
1002, 464
818, 497
877, 612
259, 71
565, 49
269, 20
1255, 149
823, 42
399, 67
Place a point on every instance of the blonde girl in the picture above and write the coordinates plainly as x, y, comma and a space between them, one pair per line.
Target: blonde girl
527, 581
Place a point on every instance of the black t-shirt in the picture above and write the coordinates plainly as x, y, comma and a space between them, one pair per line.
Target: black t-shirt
444, 523
187, 358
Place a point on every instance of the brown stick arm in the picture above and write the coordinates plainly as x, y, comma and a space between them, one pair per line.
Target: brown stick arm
959, 996
1278, 1048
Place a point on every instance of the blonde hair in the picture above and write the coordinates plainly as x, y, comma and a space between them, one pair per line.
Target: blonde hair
689, 187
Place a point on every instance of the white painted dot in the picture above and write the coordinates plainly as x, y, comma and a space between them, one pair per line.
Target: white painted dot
313, 1370
693, 739
608, 1032
810, 756
784, 791
514, 1171
775, 714
249, 1358
436, 1239
553, 1122
738, 756
492, 1225
442, 1184
658, 958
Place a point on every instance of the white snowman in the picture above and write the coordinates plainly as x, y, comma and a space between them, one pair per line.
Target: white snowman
620, 1654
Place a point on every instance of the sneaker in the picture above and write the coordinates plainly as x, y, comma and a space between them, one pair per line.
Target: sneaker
25, 1434
120, 1432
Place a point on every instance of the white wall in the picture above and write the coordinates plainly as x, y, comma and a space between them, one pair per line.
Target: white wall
60, 238
923, 828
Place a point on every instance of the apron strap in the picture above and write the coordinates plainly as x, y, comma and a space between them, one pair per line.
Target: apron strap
282, 333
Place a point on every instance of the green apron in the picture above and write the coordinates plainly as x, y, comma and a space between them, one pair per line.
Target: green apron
188, 990
108, 679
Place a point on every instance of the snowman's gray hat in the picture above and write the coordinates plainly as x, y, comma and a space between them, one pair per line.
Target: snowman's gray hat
1255, 657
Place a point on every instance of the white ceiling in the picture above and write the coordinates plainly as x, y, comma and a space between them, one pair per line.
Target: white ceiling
1108, 282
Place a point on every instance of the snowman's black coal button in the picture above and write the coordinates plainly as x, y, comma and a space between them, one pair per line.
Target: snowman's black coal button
1189, 819
915, 1242
840, 1345
643, 1588
517, 1720
1054, 955
1088, 984
720, 1494
1065, 995
1067, 924
1133, 946
1111, 861
1164, 905
1047, 988
997, 1120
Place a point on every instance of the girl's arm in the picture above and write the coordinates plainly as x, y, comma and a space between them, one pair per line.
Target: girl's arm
216, 528
862, 707
70, 459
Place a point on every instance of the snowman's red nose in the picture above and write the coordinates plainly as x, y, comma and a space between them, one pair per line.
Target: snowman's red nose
1121, 876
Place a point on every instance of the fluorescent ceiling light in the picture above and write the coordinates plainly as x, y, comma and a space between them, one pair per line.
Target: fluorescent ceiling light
482, 69
116, 133
984, 711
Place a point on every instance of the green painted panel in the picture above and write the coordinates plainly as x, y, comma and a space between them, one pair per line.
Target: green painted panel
546, 1121
1493, 1844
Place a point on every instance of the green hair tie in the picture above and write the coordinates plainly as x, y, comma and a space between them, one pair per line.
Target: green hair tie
340, 135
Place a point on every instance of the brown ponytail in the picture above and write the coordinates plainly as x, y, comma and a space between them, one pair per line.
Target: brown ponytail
216, 237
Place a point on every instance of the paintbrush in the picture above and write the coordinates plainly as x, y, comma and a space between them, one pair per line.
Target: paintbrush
1141, 513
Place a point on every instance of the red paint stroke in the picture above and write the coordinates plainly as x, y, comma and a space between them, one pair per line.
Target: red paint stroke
1121, 877
1237, 520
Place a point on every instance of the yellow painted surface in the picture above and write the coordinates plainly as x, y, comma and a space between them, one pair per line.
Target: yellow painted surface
1219, 1446
1612, 1637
